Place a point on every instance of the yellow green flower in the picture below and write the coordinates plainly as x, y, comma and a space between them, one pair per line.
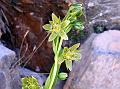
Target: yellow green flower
57, 28
70, 54
30, 83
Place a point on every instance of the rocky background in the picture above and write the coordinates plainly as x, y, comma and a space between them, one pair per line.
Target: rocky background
99, 66
102, 15
21, 23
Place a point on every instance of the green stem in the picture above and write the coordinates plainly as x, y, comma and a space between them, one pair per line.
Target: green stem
57, 42
59, 47
55, 66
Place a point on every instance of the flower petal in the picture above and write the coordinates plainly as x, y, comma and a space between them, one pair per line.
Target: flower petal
68, 64
68, 28
74, 47
65, 23
55, 18
52, 36
60, 60
63, 35
47, 27
77, 57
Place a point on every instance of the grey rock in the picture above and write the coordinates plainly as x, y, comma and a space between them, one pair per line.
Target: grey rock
7, 57
59, 84
2, 81
99, 67
74, 1
24, 72
103, 13
9, 78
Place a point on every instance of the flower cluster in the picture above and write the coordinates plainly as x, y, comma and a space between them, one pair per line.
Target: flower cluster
57, 28
70, 54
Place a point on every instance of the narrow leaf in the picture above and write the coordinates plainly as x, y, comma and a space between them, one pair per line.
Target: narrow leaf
48, 81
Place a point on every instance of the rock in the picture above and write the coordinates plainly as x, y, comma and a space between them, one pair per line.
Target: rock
99, 67
59, 84
26, 72
103, 13
74, 1
9, 78
3, 81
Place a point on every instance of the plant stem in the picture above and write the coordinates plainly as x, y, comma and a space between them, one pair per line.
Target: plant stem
59, 47
56, 65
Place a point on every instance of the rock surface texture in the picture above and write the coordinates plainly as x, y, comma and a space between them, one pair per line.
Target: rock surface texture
26, 72
9, 78
99, 67
104, 13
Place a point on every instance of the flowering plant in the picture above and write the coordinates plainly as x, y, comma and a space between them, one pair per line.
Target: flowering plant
58, 30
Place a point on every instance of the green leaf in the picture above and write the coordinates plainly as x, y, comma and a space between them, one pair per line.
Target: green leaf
68, 64
52, 36
48, 81
63, 35
47, 27
65, 23
62, 76
56, 79
55, 18
74, 47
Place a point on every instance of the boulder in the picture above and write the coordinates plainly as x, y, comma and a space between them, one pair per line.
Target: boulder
24, 72
9, 78
99, 67
103, 13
